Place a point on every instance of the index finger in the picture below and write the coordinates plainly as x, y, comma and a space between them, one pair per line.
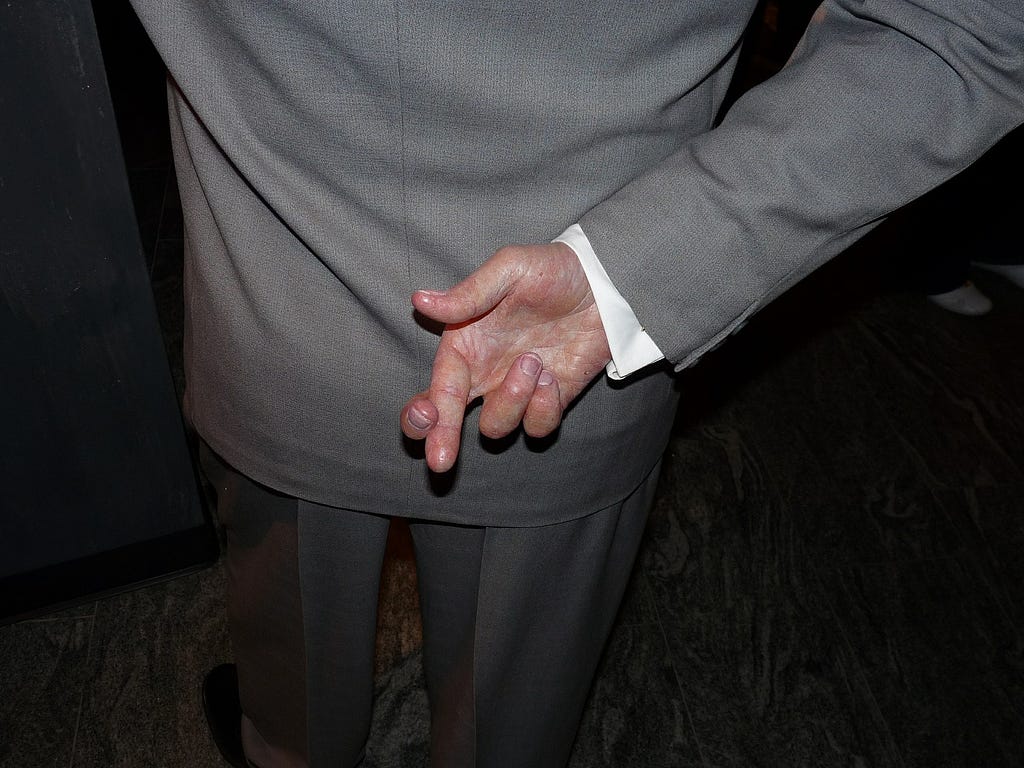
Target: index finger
449, 392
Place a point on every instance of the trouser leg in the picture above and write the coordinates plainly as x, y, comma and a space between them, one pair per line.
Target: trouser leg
994, 191
448, 561
973, 217
264, 614
302, 599
934, 244
510, 666
340, 558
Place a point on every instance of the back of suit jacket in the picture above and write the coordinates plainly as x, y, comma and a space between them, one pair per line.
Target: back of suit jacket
335, 156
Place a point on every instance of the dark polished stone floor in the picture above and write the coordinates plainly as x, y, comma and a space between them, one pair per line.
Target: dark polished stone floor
831, 574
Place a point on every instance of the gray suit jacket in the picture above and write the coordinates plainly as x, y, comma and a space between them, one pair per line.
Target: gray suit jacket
334, 156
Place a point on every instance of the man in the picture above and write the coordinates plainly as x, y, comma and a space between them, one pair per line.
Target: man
971, 220
334, 157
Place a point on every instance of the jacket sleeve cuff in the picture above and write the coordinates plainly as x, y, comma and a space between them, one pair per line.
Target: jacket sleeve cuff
631, 347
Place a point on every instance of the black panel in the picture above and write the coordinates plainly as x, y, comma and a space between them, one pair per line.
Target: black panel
94, 459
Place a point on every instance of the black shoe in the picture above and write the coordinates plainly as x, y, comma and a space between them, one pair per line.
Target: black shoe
224, 712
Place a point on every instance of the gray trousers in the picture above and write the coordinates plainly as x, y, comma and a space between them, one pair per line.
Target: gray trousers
514, 621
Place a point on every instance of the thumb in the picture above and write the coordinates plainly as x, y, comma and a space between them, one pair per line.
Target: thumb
477, 295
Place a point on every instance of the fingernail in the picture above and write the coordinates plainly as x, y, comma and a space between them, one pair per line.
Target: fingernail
546, 379
417, 419
529, 364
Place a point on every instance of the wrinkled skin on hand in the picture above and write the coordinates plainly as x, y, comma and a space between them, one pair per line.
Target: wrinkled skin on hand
523, 333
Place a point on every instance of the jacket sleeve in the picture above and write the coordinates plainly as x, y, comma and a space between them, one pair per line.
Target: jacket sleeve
883, 100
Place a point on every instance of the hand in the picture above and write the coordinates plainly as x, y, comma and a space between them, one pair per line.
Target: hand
522, 332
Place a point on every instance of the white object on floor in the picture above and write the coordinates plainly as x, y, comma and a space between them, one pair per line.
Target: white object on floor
1012, 272
965, 300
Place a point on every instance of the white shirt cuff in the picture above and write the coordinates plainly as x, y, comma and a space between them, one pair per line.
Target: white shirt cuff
631, 347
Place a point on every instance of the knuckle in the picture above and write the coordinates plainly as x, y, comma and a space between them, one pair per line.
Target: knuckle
451, 390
